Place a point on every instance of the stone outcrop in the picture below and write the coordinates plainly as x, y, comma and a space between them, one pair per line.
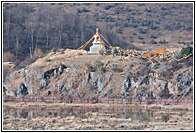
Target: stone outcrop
125, 86
22, 91
139, 81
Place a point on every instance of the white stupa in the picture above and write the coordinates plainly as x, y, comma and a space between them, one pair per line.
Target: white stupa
97, 45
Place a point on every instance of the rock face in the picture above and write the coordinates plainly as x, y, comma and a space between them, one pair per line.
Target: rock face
22, 90
60, 86
65, 76
100, 84
126, 85
185, 82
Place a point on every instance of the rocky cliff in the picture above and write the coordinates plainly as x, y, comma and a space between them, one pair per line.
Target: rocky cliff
75, 73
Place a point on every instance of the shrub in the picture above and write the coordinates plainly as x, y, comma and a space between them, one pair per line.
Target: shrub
153, 27
96, 18
5, 72
189, 61
107, 7
185, 51
163, 8
152, 36
134, 34
141, 4
119, 30
112, 20
153, 41
142, 70
38, 53
47, 60
163, 41
175, 65
8, 57
26, 62
143, 42
85, 10
147, 9
128, 18
143, 31
166, 74
103, 69
146, 23
117, 11
79, 11
128, 10
141, 38
134, 25
179, 42
87, 4
133, 13
116, 24
116, 69
97, 4
125, 25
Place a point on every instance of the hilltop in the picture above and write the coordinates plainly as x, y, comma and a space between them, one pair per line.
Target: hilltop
76, 73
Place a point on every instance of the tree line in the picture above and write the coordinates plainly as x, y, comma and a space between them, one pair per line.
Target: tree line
27, 27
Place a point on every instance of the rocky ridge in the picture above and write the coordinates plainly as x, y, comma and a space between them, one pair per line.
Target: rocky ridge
75, 73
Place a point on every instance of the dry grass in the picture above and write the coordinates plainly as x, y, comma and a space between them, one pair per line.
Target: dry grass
164, 118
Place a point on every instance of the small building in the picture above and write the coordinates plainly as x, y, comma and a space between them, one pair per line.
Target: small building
97, 43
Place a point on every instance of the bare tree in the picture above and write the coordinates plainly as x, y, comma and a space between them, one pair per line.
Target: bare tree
45, 26
7, 27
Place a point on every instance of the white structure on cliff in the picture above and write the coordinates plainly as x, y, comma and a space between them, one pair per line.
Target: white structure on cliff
97, 43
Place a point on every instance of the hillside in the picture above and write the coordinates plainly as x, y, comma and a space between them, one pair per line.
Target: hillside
47, 26
142, 22
41, 39
78, 74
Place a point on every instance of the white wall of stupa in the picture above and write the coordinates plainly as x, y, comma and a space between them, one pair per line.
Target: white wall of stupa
97, 46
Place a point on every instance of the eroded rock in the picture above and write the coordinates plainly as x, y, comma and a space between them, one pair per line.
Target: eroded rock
22, 91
